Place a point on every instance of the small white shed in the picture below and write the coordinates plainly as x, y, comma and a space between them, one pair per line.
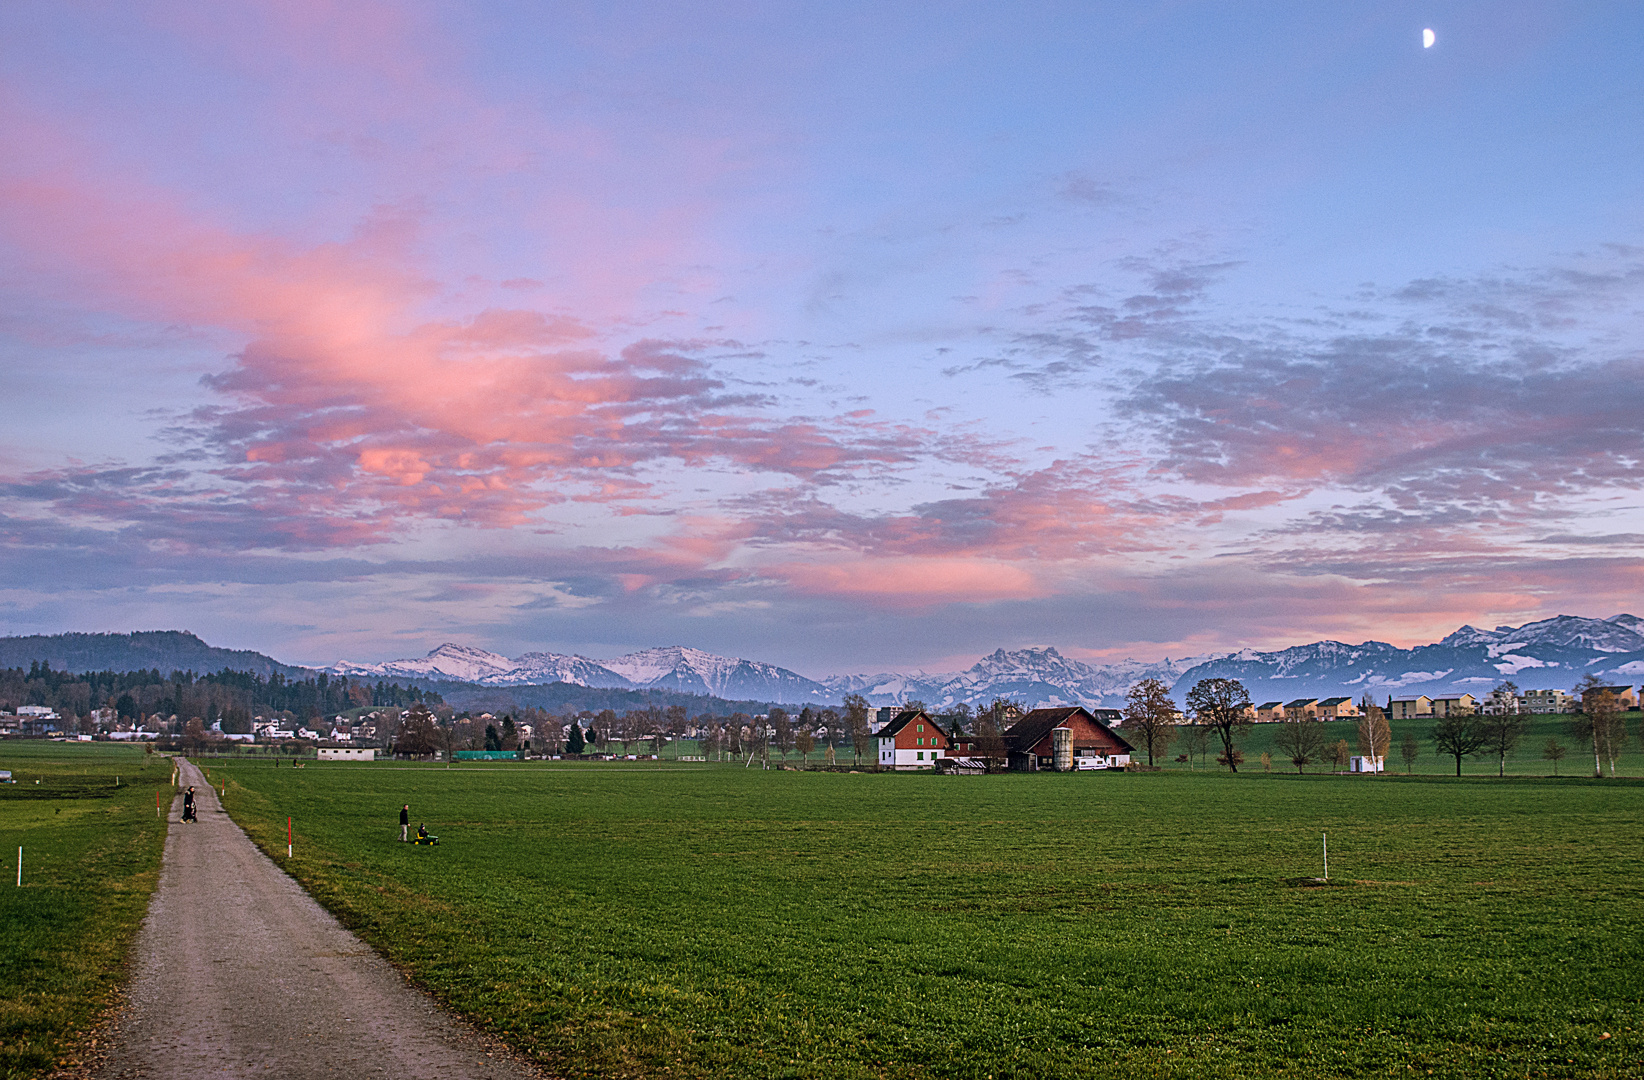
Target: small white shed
1364, 765
347, 753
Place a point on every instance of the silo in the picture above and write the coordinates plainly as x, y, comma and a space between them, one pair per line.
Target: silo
1061, 749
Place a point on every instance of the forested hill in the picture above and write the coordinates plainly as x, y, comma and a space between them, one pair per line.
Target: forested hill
146, 650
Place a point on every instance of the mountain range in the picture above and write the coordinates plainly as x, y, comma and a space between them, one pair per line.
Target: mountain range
1551, 653
1554, 652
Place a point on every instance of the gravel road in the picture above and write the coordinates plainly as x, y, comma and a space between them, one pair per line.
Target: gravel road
238, 973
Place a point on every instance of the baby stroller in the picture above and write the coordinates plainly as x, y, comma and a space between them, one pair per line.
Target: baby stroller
190, 813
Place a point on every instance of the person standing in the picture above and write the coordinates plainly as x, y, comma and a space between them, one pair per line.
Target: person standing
405, 821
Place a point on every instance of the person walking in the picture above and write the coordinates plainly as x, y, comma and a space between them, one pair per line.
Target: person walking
405, 821
188, 804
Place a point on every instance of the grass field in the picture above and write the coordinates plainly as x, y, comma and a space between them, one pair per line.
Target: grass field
1525, 760
90, 860
705, 921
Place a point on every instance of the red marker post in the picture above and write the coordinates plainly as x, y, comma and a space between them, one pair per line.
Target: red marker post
288, 838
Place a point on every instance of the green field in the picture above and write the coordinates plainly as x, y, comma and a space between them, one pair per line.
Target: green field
1525, 760
91, 852
625, 919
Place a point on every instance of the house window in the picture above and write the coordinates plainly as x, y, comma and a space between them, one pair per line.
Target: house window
920, 756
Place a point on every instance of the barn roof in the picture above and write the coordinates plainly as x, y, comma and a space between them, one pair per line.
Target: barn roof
903, 720
1026, 732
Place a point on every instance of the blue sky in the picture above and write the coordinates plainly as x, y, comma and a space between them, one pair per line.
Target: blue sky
843, 337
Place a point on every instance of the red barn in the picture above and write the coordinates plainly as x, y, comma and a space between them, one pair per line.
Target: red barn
1060, 738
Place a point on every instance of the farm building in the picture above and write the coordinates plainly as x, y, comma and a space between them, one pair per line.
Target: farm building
911, 741
346, 753
1058, 738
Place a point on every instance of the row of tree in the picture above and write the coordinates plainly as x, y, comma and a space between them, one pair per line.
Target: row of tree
1220, 710
421, 732
232, 697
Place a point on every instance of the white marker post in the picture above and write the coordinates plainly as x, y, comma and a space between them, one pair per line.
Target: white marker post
288, 838
1327, 856
19, 866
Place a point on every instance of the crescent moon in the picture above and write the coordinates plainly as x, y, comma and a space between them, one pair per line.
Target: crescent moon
1427, 39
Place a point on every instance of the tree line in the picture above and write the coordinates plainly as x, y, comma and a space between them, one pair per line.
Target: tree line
1219, 711
231, 697
827, 732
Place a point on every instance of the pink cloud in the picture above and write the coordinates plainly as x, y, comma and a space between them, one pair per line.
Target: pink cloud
912, 581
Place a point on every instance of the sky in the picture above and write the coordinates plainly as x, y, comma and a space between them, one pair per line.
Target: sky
845, 336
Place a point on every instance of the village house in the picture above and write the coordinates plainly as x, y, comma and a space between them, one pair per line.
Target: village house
1061, 738
911, 741
1269, 712
1623, 696
1546, 701
1461, 705
1336, 708
1301, 709
1408, 708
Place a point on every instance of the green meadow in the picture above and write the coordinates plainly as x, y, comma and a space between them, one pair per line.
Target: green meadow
626, 919
1526, 759
84, 816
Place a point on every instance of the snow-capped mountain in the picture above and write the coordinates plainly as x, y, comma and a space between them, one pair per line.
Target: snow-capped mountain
1552, 653
457, 663
693, 671
1034, 676
547, 667
677, 668
1615, 635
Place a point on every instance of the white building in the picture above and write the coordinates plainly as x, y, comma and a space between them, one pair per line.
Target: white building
1365, 765
1546, 701
347, 753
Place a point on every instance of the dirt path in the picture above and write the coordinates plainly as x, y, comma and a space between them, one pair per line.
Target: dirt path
238, 973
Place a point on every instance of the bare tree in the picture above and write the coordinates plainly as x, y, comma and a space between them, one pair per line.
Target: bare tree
781, 728
1599, 721
736, 732
856, 722
1457, 735
1300, 741
1501, 724
1197, 738
1340, 754
1223, 706
1374, 736
418, 735
1150, 717
805, 742
1409, 750
1554, 752
830, 728
990, 741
